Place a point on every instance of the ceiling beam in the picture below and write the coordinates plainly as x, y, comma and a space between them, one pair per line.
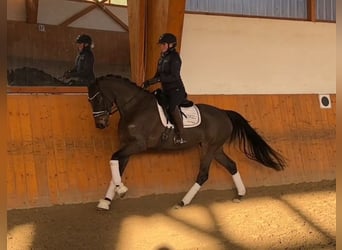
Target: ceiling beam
103, 7
31, 11
78, 15
100, 4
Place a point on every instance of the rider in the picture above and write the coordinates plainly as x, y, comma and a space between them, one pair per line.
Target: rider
83, 70
168, 73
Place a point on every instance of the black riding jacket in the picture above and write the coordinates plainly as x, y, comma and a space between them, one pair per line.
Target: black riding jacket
168, 71
84, 66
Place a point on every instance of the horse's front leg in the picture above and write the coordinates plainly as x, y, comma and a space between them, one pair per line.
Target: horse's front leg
116, 186
117, 167
118, 164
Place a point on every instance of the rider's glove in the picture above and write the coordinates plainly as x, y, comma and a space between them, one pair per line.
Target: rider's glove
146, 84
67, 75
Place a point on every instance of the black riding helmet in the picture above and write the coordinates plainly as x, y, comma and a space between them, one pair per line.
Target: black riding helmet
84, 39
168, 38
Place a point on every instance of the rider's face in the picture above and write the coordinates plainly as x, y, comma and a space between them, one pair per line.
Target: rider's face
163, 47
80, 46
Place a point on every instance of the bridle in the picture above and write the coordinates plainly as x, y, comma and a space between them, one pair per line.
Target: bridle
114, 108
102, 112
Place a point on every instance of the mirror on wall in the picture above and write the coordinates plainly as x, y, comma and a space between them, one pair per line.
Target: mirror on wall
41, 40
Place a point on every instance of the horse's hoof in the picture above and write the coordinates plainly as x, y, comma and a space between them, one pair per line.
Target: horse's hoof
238, 198
103, 205
122, 195
121, 190
179, 205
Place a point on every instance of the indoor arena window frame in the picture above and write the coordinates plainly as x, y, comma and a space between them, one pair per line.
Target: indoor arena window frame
297, 10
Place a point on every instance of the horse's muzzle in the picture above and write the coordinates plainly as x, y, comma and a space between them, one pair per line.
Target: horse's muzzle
101, 122
100, 126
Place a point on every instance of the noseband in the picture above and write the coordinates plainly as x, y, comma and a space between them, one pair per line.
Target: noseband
101, 112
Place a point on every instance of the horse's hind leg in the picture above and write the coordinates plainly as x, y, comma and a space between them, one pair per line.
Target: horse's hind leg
202, 176
230, 165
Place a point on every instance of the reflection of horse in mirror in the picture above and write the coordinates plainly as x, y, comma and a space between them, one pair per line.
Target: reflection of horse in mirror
140, 129
27, 76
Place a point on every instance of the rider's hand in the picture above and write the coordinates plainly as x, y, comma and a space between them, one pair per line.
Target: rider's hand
67, 75
146, 84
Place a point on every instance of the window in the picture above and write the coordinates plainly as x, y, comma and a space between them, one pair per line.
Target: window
326, 10
287, 9
118, 2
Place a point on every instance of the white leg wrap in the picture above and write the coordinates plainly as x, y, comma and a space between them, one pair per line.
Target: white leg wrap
239, 184
191, 194
111, 190
103, 205
114, 167
121, 190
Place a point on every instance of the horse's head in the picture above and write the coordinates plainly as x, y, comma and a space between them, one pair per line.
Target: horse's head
101, 105
115, 93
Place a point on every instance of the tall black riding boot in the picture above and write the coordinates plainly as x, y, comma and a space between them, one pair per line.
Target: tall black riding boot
178, 122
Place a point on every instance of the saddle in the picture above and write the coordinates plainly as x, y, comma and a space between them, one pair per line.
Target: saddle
190, 112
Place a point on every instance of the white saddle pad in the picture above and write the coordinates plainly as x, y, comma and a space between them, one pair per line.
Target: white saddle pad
191, 117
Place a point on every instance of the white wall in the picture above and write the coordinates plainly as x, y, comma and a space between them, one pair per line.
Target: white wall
234, 55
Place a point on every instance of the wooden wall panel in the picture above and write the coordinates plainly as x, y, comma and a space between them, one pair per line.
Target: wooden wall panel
56, 155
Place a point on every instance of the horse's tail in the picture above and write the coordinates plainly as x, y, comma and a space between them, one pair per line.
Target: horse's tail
252, 144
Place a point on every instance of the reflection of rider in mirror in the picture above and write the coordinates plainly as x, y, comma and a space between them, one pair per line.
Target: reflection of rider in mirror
168, 73
83, 71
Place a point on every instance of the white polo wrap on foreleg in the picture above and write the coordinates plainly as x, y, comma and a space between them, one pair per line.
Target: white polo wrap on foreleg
111, 190
191, 194
114, 166
239, 184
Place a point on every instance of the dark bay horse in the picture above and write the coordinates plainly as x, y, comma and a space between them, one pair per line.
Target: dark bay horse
140, 129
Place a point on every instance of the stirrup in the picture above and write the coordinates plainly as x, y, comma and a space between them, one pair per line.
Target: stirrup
178, 140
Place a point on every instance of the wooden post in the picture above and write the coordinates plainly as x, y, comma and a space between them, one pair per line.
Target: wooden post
137, 25
3, 126
31, 11
163, 16
148, 19
311, 10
